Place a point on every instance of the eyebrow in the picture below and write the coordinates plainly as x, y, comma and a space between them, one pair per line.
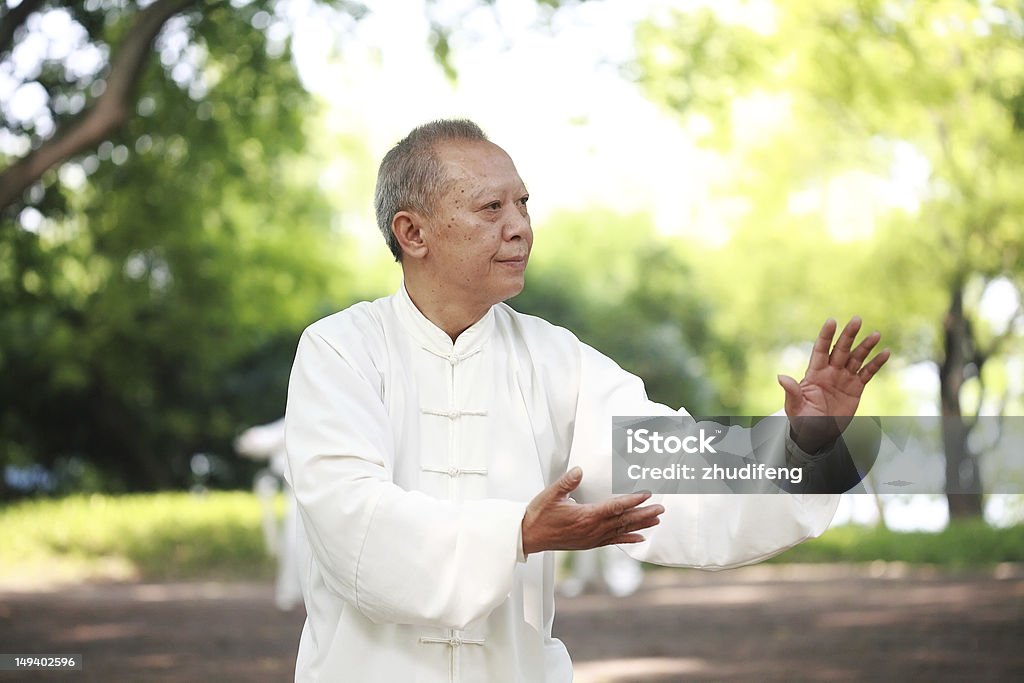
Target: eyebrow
489, 191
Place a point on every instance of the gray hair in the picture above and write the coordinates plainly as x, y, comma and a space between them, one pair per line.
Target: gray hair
411, 177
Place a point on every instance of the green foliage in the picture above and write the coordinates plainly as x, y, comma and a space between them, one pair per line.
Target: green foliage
691, 64
152, 288
961, 544
157, 536
631, 294
153, 311
818, 108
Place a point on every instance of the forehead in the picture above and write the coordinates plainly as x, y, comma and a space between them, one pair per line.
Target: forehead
478, 166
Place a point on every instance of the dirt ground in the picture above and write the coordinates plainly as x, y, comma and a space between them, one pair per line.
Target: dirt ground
781, 623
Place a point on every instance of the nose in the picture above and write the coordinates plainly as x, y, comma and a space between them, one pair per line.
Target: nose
518, 225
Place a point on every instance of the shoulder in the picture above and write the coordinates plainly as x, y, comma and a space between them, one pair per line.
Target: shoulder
356, 317
354, 330
556, 341
548, 361
563, 358
552, 353
537, 330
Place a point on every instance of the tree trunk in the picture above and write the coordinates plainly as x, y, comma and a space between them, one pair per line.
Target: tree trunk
880, 509
962, 473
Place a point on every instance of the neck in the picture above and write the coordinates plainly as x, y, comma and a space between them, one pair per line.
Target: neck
444, 308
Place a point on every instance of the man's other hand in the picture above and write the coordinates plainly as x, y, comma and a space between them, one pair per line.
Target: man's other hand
554, 521
822, 404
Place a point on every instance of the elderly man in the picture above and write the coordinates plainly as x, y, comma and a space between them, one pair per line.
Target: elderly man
440, 443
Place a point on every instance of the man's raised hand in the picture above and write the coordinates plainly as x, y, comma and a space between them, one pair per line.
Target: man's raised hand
554, 521
832, 386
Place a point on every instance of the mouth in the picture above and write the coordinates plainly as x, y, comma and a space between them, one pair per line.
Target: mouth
514, 265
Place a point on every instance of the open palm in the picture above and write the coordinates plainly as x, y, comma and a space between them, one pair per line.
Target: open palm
822, 404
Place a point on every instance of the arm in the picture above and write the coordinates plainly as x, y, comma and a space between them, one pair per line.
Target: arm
709, 531
397, 556
721, 531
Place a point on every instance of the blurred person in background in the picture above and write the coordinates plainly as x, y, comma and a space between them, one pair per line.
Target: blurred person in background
266, 442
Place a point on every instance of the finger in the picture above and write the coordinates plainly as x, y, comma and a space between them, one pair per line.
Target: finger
819, 354
634, 520
841, 353
566, 484
862, 351
627, 538
620, 504
790, 386
640, 514
641, 518
873, 366
615, 534
793, 394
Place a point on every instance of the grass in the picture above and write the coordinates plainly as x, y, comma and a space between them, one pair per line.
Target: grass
218, 535
960, 545
145, 536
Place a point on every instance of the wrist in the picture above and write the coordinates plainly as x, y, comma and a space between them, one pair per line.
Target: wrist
527, 544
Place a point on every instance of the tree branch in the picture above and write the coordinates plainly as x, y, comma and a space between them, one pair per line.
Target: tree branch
997, 342
106, 114
10, 22
982, 356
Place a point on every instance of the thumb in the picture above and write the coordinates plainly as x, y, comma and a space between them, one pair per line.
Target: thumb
792, 388
568, 482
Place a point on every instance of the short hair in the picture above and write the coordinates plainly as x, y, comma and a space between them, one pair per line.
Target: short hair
412, 178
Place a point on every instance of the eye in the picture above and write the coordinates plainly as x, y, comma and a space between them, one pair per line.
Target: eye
493, 206
525, 198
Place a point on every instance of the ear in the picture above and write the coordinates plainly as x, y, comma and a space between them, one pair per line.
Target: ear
408, 229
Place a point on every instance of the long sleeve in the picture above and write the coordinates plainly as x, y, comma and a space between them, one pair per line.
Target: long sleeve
397, 556
708, 531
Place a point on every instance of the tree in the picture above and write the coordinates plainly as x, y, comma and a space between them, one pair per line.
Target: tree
152, 287
868, 90
630, 294
90, 91
110, 108
162, 236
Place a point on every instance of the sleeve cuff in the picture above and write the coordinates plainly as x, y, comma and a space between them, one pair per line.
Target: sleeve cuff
520, 555
797, 455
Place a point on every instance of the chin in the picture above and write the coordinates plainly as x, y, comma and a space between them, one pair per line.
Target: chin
505, 294
515, 289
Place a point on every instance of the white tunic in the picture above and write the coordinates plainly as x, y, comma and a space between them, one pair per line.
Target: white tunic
413, 459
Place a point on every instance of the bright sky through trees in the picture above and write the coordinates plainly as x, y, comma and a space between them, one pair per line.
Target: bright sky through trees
580, 133
554, 96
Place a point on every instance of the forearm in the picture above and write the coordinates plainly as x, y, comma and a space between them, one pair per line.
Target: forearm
721, 531
403, 557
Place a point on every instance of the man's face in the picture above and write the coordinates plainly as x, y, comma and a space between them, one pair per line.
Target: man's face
481, 234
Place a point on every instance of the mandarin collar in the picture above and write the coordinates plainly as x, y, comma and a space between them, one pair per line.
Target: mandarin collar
432, 337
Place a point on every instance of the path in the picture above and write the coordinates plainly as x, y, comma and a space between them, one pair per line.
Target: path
762, 623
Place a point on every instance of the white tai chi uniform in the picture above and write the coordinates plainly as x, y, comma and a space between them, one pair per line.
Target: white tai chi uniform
413, 458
